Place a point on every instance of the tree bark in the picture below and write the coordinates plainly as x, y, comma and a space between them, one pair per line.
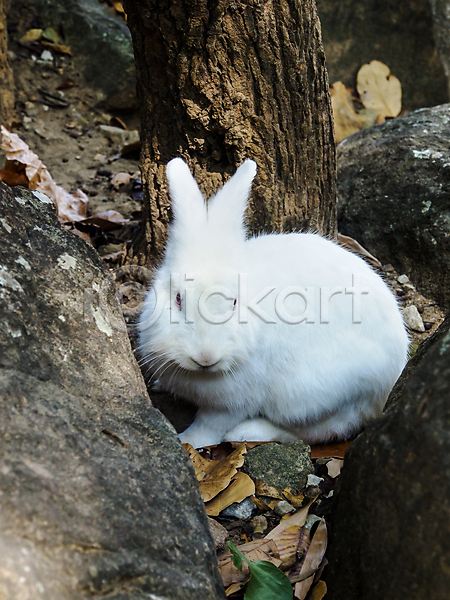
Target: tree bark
6, 76
224, 80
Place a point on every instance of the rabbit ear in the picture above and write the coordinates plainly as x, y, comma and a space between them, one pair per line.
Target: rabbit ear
227, 207
188, 204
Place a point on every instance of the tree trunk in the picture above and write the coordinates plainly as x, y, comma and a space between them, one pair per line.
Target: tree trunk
6, 77
224, 80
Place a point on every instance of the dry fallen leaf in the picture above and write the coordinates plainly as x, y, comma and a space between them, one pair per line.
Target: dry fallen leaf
220, 476
240, 488
295, 499
264, 489
58, 48
69, 207
346, 119
234, 587
13, 178
319, 591
201, 465
379, 90
32, 35
287, 543
110, 219
312, 561
297, 519
255, 550
118, 7
354, 246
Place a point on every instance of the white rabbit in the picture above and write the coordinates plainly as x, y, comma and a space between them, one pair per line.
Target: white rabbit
276, 337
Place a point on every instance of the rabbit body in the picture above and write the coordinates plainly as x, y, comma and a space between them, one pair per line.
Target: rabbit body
276, 337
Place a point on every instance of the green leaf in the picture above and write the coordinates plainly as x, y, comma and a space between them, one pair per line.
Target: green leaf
238, 557
267, 582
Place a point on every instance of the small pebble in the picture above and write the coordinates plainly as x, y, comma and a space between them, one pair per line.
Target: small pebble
283, 508
412, 318
104, 172
240, 510
388, 268
259, 524
310, 520
403, 279
428, 325
46, 56
313, 480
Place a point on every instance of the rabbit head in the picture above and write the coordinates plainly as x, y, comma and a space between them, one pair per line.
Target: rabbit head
189, 321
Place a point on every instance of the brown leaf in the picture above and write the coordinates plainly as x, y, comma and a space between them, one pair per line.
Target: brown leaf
302, 548
202, 465
346, 119
12, 178
312, 561
354, 246
240, 488
235, 587
109, 219
220, 476
295, 499
58, 48
287, 542
379, 90
264, 489
297, 519
260, 504
255, 550
117, 122
118, 7
319, 590
69, 207
32, 35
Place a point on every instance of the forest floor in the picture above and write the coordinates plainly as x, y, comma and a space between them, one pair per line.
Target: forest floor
58, 118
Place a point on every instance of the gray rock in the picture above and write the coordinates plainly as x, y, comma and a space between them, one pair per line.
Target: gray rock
280, 465
390, 535
101, 45
98, 498
393, 191
400, 34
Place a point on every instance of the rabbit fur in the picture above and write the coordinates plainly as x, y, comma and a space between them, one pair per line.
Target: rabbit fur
274, 337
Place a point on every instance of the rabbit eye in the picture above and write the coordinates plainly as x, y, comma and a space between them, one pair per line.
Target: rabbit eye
178, 300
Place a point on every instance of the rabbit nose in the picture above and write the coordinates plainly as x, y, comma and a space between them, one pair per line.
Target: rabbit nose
205, 361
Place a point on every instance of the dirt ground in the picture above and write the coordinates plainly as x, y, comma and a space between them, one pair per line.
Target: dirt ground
59, 118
